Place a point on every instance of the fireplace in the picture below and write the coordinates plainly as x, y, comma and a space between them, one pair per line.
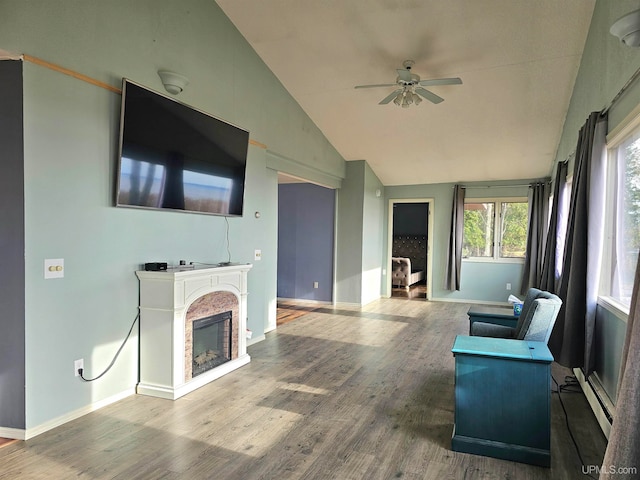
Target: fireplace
193, 325
211, 342
209, 309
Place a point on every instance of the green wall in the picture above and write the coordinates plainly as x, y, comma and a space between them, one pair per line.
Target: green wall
609, 341
70, 149
349, 231
372, 229
359, 240
605, 67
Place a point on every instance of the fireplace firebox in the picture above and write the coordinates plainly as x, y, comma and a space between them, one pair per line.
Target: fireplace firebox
211, 342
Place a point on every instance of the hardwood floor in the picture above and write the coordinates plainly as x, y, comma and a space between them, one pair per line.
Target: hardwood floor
417, 291
339, 393
289, 310
6, 441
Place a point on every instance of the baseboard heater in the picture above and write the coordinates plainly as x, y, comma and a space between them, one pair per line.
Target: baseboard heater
602, 407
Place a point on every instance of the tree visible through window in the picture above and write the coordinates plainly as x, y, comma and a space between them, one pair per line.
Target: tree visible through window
515, 216
478, 230
627, 230
495, 229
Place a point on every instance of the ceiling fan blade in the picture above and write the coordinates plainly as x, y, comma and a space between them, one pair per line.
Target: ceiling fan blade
432, 97
390, 97
441, 81
404, 74
378, 85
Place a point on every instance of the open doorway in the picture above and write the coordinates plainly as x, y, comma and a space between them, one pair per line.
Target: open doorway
409, 252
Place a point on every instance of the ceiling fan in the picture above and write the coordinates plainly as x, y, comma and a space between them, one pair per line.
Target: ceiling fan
410, 87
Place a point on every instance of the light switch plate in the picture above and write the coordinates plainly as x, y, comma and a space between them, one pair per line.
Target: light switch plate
54, 268
257, 255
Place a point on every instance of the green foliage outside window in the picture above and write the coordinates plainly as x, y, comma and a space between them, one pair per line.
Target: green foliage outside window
631, 218
514, 229
480, 227
478, 230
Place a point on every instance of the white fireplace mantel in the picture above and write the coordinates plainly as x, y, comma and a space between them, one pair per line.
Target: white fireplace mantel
165, 298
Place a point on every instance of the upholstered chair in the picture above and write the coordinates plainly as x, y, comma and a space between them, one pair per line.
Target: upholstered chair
539, 312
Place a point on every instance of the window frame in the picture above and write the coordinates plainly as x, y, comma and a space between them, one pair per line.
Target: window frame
497, 223
628, 128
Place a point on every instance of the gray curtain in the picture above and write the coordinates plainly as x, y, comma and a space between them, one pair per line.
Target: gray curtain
550, 275
572, 339
624, 441
536, 235
454, 251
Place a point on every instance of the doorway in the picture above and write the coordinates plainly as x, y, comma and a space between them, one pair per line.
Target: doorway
409, 248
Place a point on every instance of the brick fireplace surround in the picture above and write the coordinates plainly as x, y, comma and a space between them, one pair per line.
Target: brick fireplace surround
169, 303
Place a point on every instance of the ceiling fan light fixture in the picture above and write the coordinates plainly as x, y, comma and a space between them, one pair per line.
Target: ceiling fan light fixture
409, 88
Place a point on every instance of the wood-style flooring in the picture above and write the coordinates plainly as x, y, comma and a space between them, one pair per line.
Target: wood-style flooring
6, 441
289, 310
338, 393
417, 291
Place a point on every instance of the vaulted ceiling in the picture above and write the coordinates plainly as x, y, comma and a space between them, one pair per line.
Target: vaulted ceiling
517, 59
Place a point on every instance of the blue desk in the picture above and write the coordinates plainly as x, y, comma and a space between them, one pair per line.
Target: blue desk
503, 399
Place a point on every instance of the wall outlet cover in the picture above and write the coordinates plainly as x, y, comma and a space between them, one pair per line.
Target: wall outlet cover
77, 365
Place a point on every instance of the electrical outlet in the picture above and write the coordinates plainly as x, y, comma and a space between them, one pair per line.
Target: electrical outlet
77, 365
508, 286
257, 255
315, 284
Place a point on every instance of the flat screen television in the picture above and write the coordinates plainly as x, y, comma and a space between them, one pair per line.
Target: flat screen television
175, 157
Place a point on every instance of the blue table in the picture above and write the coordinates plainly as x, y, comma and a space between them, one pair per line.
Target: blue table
503, 399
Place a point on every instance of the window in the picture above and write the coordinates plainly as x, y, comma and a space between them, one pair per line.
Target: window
623, 216
495, 228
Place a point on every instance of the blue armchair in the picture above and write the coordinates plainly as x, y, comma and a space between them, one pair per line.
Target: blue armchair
539, 312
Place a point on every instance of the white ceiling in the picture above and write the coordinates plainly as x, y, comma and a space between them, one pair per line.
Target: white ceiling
518, 61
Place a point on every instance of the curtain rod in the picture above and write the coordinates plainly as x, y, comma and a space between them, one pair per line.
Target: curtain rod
624, 88
504, 186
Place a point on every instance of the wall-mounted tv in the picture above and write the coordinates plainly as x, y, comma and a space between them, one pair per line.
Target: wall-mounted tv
173, 156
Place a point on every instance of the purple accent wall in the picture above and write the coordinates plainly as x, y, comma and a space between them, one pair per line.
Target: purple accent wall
12, 245
306, 215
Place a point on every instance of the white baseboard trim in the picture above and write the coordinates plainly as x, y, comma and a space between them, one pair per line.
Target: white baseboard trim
304, 301
14, 433
68, 417
594, 403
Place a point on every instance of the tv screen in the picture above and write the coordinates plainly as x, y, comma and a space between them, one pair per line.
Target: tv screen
175, 157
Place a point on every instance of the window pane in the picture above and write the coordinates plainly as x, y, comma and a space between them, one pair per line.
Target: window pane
513, 241
478, 230
627, 231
